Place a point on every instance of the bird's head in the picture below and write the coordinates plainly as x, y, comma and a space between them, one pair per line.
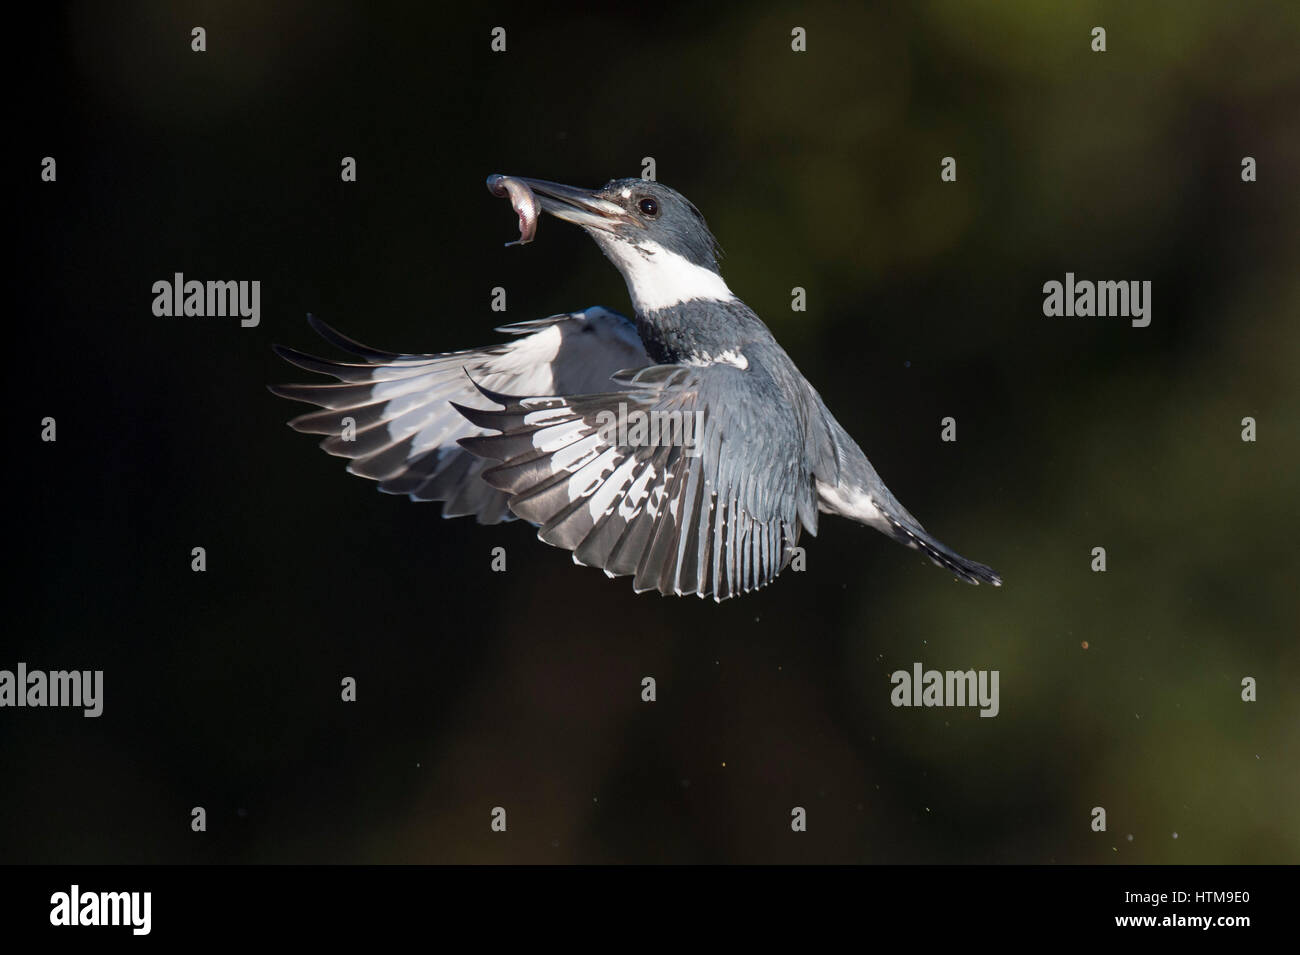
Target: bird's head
652, 233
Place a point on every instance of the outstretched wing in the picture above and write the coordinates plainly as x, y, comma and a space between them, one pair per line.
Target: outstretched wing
391, 413
713, 506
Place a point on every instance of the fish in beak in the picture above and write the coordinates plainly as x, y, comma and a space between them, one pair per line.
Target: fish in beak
531, 197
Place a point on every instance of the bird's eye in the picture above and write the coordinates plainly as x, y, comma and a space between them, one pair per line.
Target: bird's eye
648, 207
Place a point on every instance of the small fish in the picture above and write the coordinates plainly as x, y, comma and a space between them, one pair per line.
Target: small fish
525, 203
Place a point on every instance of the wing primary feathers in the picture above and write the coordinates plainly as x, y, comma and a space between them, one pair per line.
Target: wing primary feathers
399, 418
645, 507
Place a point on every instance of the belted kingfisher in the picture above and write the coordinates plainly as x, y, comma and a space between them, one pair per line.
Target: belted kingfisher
521, 428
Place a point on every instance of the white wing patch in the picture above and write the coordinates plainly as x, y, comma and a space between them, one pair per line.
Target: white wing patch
732, 356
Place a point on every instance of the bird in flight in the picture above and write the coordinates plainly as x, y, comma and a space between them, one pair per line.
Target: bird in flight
537, 427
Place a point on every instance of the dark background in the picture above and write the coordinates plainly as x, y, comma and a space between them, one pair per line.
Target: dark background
522, 689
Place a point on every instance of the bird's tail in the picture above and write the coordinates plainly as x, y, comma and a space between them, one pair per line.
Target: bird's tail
859, 494
915, 536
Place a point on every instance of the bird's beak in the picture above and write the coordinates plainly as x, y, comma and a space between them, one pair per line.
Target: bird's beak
579, 206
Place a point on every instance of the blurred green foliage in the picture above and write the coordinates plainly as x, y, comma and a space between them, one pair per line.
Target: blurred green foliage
818, 170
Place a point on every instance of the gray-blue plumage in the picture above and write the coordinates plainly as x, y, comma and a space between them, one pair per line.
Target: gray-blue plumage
524, 428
